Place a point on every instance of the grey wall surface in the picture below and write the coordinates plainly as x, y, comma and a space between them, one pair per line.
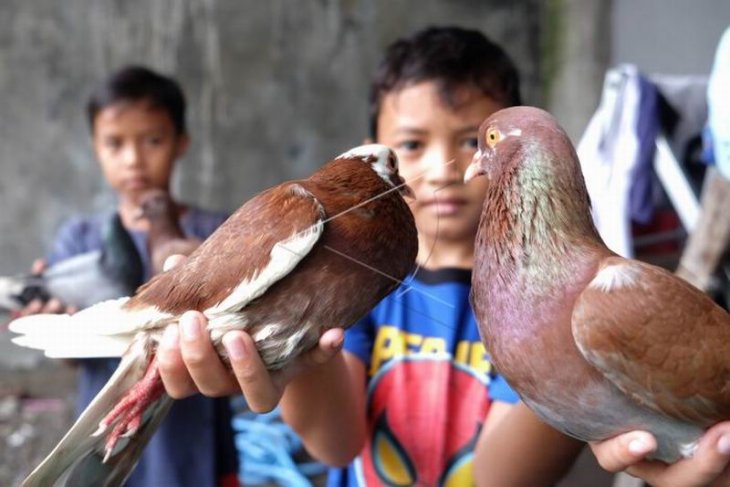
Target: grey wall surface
677, 37
576, 56
586, 37
275, 88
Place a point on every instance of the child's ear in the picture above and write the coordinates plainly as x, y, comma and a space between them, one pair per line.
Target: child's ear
183, 142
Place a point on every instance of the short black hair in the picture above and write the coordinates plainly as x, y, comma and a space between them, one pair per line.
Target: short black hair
453, 57
138, 83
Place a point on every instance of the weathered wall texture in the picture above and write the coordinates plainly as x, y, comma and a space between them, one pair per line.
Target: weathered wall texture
576, 56
274, 89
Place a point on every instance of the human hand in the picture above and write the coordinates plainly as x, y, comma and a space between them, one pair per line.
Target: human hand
709, 465
189, 363
38, 306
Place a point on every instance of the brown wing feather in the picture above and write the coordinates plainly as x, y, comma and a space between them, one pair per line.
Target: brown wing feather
235, 252
661, 341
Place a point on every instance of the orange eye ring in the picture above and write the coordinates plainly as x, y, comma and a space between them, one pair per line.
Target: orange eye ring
493, 136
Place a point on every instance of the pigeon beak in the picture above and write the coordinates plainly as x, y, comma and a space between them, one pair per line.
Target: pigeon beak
475, 168
406, 190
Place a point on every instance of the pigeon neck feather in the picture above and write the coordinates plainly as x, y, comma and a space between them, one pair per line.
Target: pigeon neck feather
538, 226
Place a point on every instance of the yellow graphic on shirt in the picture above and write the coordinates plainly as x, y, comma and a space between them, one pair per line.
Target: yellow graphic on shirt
461, 474
392, 342
392, 461
425, 414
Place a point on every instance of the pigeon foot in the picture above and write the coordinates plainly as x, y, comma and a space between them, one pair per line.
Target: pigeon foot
129, 412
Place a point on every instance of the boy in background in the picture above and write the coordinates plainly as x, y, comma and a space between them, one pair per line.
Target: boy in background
137, 121
412, 392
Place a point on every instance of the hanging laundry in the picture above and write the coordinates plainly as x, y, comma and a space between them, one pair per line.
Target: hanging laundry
617, 153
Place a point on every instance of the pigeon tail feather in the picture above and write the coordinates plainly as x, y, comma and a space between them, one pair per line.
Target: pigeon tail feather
80, 459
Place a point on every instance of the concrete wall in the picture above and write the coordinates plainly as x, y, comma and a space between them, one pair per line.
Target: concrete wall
576, 56
275, 88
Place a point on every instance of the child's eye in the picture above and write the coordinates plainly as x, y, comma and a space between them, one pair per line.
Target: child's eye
112, 143
409, 145
470, 144
154, 141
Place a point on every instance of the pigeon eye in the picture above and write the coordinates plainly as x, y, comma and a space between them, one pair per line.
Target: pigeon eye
493, 136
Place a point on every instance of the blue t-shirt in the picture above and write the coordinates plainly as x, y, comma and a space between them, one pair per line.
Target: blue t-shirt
193, 446
429, 388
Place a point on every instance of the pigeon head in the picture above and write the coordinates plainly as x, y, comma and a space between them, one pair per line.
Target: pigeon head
519, 139
155, 204
529, 160
384, 162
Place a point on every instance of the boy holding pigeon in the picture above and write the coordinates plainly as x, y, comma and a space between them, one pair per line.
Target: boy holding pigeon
408, 396
137, 121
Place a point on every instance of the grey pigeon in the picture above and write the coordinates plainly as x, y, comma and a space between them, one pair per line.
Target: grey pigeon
114, 271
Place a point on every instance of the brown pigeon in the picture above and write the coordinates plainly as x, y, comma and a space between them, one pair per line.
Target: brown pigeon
165, 236
595, 344
293, 261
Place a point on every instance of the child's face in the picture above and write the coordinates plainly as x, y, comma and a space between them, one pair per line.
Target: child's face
435, 144
136, 146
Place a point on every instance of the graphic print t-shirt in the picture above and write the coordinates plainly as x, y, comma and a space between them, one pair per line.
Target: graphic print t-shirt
430, 385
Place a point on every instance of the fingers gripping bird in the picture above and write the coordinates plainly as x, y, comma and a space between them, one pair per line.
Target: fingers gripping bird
594, 343
83, 280
293, 261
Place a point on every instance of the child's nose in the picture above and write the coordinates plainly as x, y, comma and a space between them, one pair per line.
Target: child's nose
442, 166
132, 155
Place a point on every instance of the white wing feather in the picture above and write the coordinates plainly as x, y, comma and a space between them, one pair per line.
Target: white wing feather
102, 330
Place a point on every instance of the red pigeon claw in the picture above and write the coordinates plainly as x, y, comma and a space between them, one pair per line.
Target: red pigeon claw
293, 261
595, 344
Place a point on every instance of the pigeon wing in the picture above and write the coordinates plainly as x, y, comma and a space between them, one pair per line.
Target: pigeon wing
657, 338
258, 245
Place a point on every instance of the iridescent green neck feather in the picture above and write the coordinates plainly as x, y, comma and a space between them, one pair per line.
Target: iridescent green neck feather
539, 222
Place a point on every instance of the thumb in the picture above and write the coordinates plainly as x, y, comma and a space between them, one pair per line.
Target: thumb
330, 343
38, 266
618, 453
172, 261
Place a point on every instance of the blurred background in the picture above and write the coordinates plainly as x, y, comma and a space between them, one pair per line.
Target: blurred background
274, 89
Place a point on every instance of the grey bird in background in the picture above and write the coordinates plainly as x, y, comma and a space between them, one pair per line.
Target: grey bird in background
83, 280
